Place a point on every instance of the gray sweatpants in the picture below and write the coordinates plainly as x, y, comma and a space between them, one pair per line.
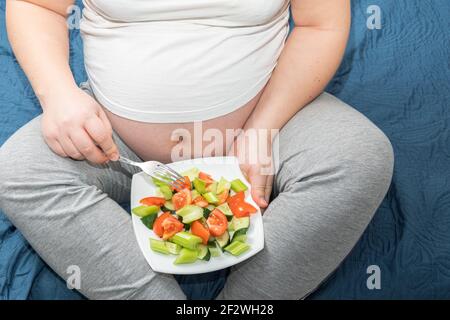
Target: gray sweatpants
335, 168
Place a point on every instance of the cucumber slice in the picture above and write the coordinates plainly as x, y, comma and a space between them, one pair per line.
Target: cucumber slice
214, 249
240, 235
149, 220
164, 247
225, 209
223, 240
187, 226
203, 252
194, 194
237, 185
173, 248
168, 206
237, 248
159, 182
212, 187
187, 219
199, 185
191, 173
165, 191
230, 226
186, 240
210, 197
210, 207
240, 223
188, 209
186, 256
223, 185
158, 193
159, 246
143, 211
190, 213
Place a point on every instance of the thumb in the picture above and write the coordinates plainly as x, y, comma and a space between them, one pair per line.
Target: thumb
111, 150
258, 184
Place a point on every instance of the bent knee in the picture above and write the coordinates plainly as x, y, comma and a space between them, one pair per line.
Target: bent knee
17, 150
372, 156
28, 165
363, 159
355, 138
342, 149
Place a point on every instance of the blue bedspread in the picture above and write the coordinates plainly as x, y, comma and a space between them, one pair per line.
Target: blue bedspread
399, 77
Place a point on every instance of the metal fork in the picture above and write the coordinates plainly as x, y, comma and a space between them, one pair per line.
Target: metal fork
158, 171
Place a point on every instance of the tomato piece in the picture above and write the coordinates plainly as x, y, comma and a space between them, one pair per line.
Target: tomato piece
240, 196
181, 198
157, 225
238, 210
243, 209
185, 182
239, 207
248, 207
200, 230
223, 196
205, 177
217, 223
200, 201
171, 226
153, 201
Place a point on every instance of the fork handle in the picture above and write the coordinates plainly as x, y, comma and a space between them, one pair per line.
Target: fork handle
128, 161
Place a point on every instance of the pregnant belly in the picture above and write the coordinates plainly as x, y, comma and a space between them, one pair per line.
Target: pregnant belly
169, 142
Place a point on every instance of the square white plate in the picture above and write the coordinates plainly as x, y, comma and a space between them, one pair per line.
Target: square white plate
227, 167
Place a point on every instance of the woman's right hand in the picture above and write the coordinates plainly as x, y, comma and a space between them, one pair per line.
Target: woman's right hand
74, 125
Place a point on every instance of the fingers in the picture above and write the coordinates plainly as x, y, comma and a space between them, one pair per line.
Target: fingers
50, 135
258, 190
87, 147
56, 148
268, 190
101, 132
69, 148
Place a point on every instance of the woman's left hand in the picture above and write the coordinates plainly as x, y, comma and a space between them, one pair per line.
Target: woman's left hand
256, 163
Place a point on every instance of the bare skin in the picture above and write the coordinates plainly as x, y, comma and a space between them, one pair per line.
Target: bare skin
156, 141
75, 125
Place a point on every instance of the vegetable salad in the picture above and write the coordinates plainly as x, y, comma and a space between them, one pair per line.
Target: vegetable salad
200, 219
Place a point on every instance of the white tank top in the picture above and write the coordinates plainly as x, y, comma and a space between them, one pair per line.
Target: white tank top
181, 60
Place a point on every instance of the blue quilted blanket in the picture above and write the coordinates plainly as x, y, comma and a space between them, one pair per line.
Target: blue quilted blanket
397, 72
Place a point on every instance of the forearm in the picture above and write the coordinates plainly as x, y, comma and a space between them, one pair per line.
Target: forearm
39, 39
308, 62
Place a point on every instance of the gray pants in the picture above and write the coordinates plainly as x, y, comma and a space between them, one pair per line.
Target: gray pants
335, 168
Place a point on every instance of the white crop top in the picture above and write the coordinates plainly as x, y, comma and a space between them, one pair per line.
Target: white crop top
181, 60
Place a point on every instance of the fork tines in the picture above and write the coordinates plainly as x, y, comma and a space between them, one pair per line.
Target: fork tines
167, 174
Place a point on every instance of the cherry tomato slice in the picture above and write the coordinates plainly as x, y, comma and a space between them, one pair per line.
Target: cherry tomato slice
185, 182
181, 198
157, 225
238, 210
200, 201
223, 196
240, 196
205, 177
239, 207
217, 223
153, 201
171, 226
200, 230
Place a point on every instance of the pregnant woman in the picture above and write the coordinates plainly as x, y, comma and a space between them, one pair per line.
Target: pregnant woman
158, 66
